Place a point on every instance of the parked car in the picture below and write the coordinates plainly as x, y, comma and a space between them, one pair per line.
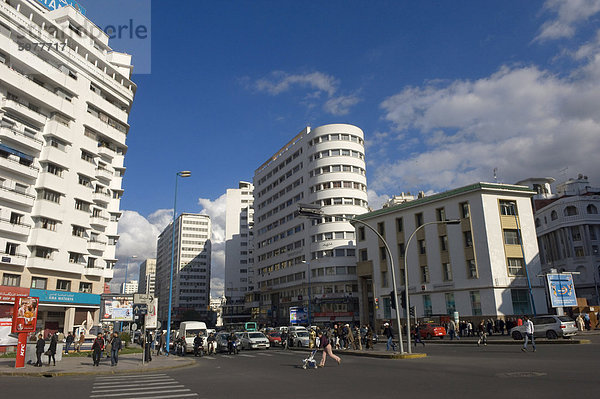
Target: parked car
274, 338
255, 340
429, 331
549, 326
299, 338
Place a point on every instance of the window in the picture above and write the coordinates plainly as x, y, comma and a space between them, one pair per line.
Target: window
361, 233
43, 252
422, 248
49, 195
63, 285
47, 224
401, 250
520, 301
508, 208
427, 309
86, 156
382, 253
443, 243
54, 169
471, 268
475, 303
553, 215
447, 271
82, 205
511, 237
85, 287
78, 231
465, 210
74, 257
579, 252
468, 239
85, 181
11, 280
591, 209
419, 219
364, 256
576, 233
11, 248
424, 274
515, 267
399, 225
39, 283
450, 304
440, 214
384, 279
570, 211
381, 228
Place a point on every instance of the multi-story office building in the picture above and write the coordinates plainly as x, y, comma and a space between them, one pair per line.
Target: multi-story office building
323, 166
130, 287
147, 278
477, 268
568, 229
239, 216
63, 112
191, 266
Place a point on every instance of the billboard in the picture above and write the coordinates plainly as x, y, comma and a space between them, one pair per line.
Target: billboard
298, 315
117, 308
5, 330
152, 316
562, 290
25, 314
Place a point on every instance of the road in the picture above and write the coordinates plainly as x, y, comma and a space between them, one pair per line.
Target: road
449, 371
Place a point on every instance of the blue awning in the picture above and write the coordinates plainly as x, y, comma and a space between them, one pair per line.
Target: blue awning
15, 152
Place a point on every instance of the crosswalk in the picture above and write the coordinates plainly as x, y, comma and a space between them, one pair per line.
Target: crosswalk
139, 386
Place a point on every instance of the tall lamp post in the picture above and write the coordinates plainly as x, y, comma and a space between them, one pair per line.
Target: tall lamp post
309, 293
184, 173
126, 277
315, 212
406, 299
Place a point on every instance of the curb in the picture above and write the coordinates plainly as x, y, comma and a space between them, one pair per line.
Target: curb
84, 373
376, 355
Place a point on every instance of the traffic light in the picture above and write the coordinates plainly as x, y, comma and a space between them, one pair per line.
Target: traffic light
411, 310
376, 303
403, 299
392, 300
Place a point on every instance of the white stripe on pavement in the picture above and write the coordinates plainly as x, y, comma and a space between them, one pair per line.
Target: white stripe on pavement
265, 354
129, 393
120, 383
241, 354
227, 356
210, 357
184, 395
129, 376
100, 390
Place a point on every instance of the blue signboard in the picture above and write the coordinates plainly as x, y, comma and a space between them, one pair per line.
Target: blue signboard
298, 316
65, 297
562, 290
54, 4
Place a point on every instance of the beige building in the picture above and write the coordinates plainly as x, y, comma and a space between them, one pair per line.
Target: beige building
147, 277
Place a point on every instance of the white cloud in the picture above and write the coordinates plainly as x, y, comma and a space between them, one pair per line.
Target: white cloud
340, 105
568, 13
216, 210
522, 120
376, 201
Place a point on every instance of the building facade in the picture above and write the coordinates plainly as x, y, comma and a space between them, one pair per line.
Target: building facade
477, 268
147, 278
191, 266
324, 166
239, 218
63, 127
568, 228
130, 287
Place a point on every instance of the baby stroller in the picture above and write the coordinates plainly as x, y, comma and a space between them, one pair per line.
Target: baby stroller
310, 361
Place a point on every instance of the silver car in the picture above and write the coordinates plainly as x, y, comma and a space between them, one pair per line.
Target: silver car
300, 338
255, 340
549, 326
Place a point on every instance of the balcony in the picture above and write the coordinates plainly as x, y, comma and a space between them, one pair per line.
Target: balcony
59, 129
106, 152
101, 197
54, 265
52, 182
17, 196
56, 155
24, 139
96, 245
93, 271
21, 229
103, 173
17, 167
13, 259
24, 110
99, 221
104, 127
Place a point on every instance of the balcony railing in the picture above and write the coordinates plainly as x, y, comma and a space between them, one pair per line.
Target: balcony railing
18, 192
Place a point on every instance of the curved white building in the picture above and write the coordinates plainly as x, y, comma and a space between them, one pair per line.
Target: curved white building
323, 166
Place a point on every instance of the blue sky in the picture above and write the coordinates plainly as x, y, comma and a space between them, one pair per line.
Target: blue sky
444, 91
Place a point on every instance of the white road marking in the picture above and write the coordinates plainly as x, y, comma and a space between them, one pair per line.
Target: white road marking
129, 376
210, 357
106, 390
185, 395
120, 383
241, 354
129, 393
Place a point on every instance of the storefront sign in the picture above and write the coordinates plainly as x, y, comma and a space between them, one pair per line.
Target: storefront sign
25, 314
8, 294
65, 297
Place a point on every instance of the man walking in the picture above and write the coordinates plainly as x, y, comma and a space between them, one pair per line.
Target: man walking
482, 334
39, 350
80, 342
115, 349
529, 329
97, 348
387, 331
68, 341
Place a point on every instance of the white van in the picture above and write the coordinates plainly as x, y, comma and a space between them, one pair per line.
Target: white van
189, 329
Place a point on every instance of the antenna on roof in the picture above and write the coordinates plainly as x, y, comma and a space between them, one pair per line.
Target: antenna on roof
495, 175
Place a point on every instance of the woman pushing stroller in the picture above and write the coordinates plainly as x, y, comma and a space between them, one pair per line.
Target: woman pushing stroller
325, 345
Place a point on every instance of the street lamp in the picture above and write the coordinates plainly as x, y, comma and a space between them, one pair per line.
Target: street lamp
184, 173
406, 300
309, 293
315, 212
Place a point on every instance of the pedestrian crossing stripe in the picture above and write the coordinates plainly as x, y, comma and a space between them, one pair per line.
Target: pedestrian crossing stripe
241, 354
151, 386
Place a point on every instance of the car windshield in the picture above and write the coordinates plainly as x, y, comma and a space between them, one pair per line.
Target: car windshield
192, 333
256, 335
565, 319
275, 335
302, 334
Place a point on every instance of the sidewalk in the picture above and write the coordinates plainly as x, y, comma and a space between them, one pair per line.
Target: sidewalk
84, 366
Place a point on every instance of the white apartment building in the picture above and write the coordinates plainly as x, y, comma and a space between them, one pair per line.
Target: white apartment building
63, 127
477, 268
239, 217
147, 277
323, 166
191, 266
568, 229
130, 287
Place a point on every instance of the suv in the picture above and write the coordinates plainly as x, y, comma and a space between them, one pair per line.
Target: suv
549, 326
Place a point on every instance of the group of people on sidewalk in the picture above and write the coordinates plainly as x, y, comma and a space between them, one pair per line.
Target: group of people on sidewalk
40, 345
112, 345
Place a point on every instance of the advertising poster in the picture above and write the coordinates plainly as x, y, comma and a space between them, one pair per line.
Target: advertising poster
562, 290
117, 308
5, 330
152, 316
298, 315
25, 314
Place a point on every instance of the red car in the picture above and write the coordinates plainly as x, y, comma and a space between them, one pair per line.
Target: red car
274, 338
429, 331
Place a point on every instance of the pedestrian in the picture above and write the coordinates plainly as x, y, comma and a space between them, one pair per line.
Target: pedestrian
350, 338
369, 338
68, 342
80, 342
586, 321
389, 333
284, 339
482, 334
580, 324
469, 329
418, 335
108, 346
162, 342
326, 347
312, 337
198, 345
529, 330
97, 348
52, 349
211, 340
39, 350
452, 330
115, 347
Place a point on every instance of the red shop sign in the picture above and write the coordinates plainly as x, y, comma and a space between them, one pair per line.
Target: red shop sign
25, 314
8, 294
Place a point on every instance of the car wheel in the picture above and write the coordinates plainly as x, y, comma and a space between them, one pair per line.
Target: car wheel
428, 336
517, 336
299, 345
551, 334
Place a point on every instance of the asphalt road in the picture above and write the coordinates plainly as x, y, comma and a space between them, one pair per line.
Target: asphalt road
449, 371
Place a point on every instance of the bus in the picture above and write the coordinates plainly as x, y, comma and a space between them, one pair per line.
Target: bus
250, 326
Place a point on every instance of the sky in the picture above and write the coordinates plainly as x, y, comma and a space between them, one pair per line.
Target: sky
446, 93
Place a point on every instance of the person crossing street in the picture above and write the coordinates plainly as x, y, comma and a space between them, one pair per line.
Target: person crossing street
529, 329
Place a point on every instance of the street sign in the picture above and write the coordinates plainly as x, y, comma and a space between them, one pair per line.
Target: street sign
143, 298
562, 290
140, 309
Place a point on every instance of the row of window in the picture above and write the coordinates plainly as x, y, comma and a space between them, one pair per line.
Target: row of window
337, 168
333, 235
337, 153
336, 137
196, 222
281, 250
282, 165
570, 210
338, 184
329, 253
281, 265
281, 193
281, 207
14, 280
333, 271
281, 179
276, 223
280, 236
342, 201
